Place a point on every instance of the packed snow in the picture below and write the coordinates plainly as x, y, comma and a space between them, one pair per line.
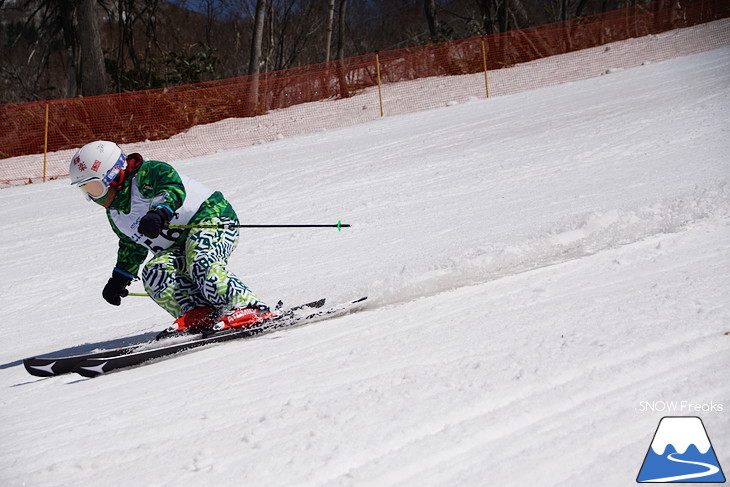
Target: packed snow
548, 273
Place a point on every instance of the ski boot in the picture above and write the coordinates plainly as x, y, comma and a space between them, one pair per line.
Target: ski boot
247, 317
194, 321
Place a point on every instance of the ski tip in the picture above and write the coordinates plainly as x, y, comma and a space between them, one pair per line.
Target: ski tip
39, 367
90, 370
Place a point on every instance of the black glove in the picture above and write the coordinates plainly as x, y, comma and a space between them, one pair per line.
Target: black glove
116, 288
154, 222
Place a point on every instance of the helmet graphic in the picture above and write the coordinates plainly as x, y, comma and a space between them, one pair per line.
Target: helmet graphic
94, 167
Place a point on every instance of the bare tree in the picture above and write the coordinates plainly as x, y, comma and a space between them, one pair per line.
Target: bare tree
254, 64
70, 38
136, 44
330, 29
93, 74
486, 19
341, 26
430, 8
503, 15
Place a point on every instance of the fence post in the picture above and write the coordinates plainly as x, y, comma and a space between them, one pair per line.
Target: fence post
380, 89
484, 60
45, 145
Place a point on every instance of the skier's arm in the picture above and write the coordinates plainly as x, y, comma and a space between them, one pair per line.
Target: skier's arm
130, 256
161, 183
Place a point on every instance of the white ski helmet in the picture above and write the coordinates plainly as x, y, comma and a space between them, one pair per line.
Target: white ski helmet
97, 161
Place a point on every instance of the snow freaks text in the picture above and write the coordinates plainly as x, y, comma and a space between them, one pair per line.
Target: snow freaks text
680, 407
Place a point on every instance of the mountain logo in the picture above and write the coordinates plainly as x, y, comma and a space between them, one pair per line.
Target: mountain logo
681, 452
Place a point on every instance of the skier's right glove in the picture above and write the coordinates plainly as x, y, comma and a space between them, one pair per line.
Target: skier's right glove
116, 288
156, 220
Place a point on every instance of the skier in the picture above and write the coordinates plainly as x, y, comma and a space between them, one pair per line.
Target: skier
187, 275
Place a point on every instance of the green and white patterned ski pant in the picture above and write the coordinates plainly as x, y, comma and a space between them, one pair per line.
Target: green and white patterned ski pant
182, 278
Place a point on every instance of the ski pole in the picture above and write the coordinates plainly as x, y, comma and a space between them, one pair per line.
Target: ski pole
339, 226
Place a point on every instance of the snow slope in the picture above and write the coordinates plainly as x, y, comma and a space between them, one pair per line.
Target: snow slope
541, 266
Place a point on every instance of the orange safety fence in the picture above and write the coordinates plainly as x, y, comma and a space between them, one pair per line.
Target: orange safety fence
194, 120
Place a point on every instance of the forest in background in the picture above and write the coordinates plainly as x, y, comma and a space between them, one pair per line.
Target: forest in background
69, 48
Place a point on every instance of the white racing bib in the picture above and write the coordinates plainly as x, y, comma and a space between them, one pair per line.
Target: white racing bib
128, 223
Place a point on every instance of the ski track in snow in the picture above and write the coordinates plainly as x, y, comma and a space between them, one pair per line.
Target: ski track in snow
538, 264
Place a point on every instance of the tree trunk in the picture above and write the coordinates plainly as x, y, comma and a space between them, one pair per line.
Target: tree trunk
93, 74
70, 39
430, 8
503, 22
254, 65
325, 78
341, 27
485, 9
330, 29
503, 15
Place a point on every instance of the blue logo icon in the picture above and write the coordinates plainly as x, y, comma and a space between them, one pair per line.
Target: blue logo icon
681, 452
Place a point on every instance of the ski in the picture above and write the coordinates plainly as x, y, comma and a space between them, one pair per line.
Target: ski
92, 367
48, 366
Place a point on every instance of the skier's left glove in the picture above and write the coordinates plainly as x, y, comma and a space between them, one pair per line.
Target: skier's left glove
116, 288
157, 219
